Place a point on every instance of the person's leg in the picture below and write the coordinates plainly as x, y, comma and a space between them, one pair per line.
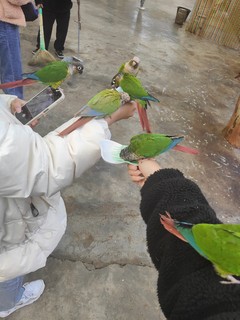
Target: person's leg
10, 57
62, 19
38, 40
14, 295
10, 293
48, 21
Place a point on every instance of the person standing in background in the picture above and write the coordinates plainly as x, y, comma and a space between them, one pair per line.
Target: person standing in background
11, 17
59, 11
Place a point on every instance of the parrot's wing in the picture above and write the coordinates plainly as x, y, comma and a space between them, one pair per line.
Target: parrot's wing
86, 111
53, 72
221, 244
110, 152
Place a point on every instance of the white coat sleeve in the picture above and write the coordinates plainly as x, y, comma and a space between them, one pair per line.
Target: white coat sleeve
5, 101
35, 165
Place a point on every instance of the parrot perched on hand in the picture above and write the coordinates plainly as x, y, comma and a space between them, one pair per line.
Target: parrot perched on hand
53, 74
133, 86
218, 243
131, 67
102, 104
142, 146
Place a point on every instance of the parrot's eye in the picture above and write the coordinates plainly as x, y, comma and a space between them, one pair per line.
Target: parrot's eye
80, 68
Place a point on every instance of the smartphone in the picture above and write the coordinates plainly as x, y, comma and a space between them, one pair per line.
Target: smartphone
40, 104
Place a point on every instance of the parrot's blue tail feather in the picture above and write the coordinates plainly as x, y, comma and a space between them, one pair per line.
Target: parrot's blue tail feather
85, 111
80, 111
30, 76
150, 98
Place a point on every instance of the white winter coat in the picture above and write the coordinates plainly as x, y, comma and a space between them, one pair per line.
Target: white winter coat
33, 169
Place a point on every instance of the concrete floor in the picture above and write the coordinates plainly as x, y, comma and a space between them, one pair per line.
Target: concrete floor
101, 269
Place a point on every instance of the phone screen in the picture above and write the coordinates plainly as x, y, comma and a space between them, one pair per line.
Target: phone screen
38, 104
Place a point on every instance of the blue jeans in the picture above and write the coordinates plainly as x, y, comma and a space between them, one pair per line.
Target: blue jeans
10, 57
10, 293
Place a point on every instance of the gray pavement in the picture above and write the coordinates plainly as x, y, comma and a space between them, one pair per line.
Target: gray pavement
101, 269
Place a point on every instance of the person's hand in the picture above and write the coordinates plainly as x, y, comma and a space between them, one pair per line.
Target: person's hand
136, 175
16, 107
124, 112
145, 168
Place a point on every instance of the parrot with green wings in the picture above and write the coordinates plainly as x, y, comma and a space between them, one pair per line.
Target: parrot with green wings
130, 67
133, 86
218, 243
142, 146
53, 74
102, 104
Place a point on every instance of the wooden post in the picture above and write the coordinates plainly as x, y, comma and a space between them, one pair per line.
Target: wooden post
232, 130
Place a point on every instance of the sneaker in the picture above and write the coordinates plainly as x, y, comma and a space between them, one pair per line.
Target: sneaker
35, 51
32, 292
59, 54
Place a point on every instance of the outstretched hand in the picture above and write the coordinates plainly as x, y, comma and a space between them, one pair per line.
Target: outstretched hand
16, 107
139, 174
124, 112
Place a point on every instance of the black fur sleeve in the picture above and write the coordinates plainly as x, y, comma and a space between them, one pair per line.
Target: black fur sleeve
168, 190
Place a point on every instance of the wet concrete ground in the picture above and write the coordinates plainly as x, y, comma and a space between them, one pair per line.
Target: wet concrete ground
101, 269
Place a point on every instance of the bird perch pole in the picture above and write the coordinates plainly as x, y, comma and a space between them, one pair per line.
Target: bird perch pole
79, 27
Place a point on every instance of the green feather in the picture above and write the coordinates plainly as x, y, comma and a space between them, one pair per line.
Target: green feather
121, 68
103, 103
106, 101
132, 86
53, 73
221, 244
148, 145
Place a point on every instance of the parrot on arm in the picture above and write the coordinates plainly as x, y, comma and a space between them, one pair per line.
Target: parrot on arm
102, 104
131, 67
218, 243
142, 146
53, 74
133, 86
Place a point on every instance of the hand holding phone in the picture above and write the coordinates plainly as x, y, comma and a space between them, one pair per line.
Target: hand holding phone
40, 105
16, 105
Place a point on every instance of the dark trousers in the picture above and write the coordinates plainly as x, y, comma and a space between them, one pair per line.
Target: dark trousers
62, 20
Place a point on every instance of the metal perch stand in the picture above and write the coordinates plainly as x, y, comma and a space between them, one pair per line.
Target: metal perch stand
79, 28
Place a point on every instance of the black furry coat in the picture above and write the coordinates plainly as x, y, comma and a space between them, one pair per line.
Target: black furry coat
188, 287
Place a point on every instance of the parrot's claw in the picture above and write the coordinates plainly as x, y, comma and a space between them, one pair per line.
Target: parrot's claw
230, 280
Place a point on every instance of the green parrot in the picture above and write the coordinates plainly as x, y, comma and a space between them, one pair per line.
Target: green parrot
53, 74
133, 86
102, 104
131, 67
142, 146
218, 243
